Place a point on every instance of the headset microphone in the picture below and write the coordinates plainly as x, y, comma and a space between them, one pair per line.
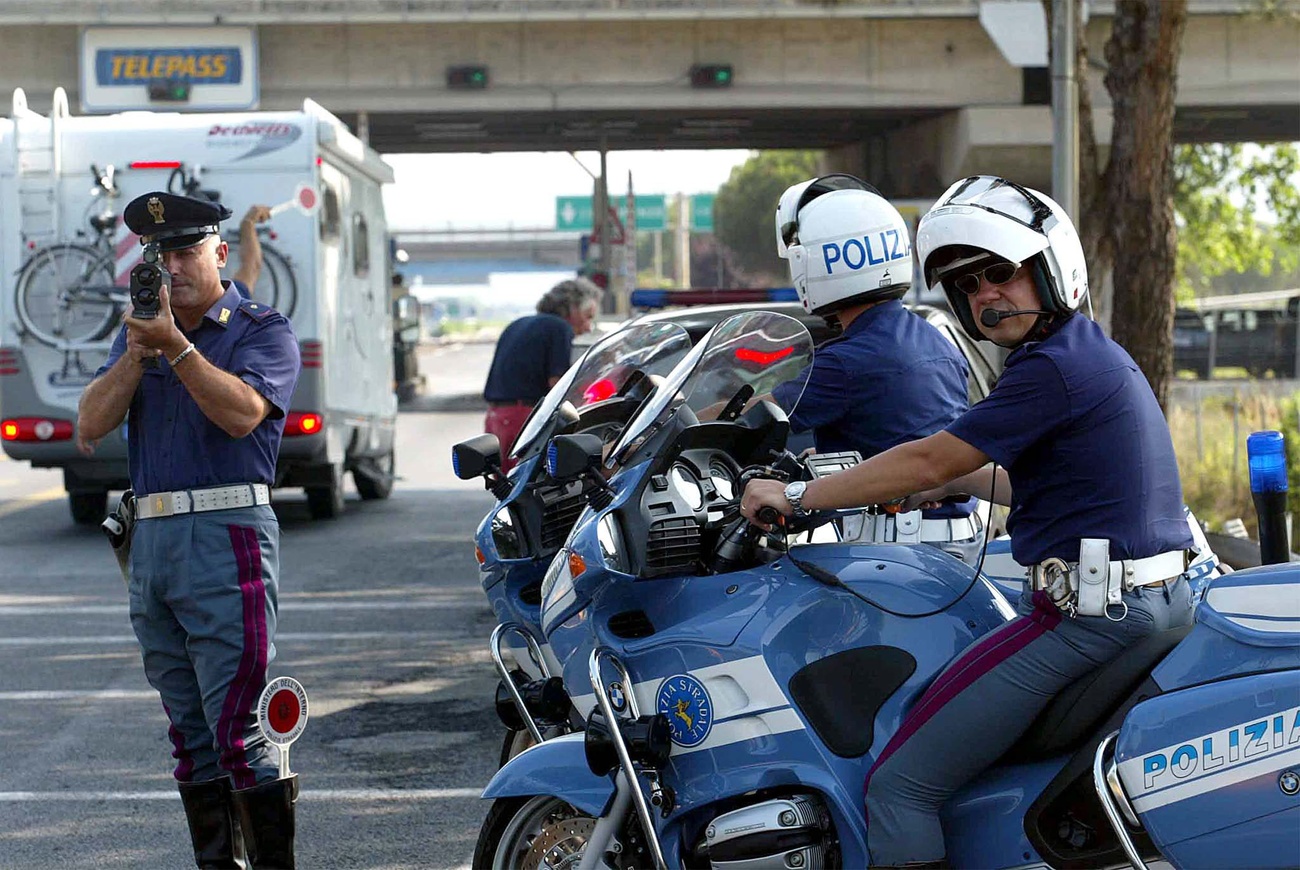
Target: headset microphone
991, 317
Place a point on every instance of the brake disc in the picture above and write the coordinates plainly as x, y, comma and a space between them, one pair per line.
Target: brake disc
559, 844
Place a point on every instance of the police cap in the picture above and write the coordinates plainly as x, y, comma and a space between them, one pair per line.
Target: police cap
174, 222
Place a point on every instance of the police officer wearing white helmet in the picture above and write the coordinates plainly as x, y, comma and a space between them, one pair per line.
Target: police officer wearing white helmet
891, 377
1091, 479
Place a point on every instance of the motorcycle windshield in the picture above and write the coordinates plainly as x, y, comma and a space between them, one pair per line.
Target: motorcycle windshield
601, 372
759, 350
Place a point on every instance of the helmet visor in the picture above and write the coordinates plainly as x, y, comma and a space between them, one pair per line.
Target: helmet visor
996, 195
798, 196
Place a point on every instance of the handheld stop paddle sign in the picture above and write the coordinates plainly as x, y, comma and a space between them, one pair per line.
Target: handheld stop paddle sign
282, 715
305, 199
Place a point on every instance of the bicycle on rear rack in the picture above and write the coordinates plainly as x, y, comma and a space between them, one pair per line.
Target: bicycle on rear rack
66, 296
65, 293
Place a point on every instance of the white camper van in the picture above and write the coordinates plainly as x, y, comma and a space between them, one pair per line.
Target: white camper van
66, 258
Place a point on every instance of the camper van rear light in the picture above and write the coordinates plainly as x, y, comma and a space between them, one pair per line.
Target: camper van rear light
313, 355
35, 429
303, 423
155, 164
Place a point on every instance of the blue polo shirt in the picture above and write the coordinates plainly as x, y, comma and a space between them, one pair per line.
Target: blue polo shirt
1075, 424
171, 443
889, 379
530, 352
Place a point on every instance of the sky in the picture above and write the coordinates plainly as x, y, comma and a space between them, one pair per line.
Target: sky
518, 190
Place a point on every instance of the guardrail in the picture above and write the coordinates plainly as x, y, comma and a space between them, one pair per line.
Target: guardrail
360, 11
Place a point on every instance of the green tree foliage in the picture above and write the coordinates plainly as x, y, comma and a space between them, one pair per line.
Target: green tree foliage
1219, 192
746, 203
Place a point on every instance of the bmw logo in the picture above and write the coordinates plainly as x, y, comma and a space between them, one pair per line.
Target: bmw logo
1289, 782
617, 699
688, 707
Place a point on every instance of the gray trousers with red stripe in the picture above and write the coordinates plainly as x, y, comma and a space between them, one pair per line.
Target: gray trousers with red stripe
203, 605
984, 701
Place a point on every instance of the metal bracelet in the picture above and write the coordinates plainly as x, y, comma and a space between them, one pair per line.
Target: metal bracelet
180, 356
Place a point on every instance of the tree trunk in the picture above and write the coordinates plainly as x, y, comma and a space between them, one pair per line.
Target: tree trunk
1142, 56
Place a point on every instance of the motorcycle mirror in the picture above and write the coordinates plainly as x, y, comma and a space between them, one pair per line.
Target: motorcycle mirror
569, 456
476, 457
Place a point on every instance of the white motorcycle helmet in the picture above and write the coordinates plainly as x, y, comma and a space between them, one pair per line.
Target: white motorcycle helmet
985, 218
845, 243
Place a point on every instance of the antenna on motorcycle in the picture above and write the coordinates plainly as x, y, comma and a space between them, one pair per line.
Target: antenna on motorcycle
580, 456
481, 457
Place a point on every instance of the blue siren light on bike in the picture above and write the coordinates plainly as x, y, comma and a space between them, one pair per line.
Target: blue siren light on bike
552, 459
455, 463
1266, 452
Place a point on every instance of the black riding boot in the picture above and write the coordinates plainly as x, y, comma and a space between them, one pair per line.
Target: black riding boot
216, 835
265, 814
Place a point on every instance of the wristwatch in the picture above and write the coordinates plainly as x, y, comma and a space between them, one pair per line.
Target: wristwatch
794, 494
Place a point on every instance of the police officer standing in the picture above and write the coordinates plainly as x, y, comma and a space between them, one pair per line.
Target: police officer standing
1091, 479
204, 388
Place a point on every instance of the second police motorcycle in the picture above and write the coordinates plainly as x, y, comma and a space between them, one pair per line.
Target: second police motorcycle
737, 683
534, 512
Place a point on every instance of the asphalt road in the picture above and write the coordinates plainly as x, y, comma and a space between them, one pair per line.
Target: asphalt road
382, 619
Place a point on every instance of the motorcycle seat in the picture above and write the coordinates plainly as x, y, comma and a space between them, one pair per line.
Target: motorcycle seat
1081, 707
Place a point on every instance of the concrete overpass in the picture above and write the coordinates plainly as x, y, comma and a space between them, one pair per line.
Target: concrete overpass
911, 93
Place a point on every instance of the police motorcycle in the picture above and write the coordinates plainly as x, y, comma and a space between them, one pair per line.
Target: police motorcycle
534, 512
736, 687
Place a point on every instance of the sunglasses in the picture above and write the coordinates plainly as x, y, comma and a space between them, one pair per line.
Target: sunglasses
997, 274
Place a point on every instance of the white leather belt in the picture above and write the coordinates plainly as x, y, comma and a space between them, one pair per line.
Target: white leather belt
197, 501
910, 527
1133, 572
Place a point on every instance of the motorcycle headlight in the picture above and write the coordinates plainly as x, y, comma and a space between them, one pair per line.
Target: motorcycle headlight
610, 535
505, 535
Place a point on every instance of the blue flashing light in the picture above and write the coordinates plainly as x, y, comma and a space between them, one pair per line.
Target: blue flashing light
649, 298
552, 458
1266, 452
455, 463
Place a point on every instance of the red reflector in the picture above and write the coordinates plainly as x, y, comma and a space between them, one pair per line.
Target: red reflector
35, 429
312, 355
302, 423
9, 361
154, 164
762, 358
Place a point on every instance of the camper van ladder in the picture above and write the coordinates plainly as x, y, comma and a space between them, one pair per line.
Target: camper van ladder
38, 160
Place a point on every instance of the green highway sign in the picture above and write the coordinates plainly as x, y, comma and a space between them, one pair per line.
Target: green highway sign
575, 212
702, 213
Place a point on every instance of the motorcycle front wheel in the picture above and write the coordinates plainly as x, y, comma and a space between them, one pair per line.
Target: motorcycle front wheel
531, 834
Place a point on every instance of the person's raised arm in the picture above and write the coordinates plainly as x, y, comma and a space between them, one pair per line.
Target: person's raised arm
250, 246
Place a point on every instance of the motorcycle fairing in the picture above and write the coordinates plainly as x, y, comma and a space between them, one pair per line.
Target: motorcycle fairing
1203, 770
1249, 621
934, 579
557, 767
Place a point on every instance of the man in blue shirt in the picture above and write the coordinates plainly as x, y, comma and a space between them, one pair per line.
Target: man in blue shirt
1090, 476
204, 387
891, 377
530, 356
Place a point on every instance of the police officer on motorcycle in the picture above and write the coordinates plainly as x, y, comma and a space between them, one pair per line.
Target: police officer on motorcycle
891, 377
1090, 476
